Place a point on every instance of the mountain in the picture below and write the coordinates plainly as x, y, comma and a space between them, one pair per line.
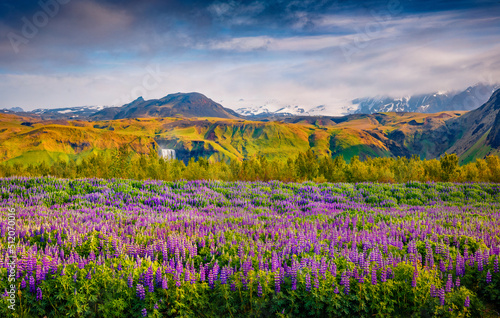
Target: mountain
173, 105
189, 105
79, 112
477, 132
271, 111
474, 134
469, 99
12, 109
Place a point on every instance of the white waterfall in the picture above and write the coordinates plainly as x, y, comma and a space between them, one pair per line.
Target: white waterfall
168, 154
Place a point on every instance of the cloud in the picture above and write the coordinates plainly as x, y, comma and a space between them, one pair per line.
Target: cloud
305, 53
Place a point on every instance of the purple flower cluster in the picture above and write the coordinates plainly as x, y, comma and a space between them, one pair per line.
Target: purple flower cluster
140, 292
252, 235
39, 295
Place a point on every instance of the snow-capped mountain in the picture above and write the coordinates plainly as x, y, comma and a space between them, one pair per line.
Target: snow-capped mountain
80, 112
267, 110
469, 99
287, 111
12, 109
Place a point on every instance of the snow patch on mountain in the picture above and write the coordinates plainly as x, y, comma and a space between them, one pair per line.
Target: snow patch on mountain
282, 111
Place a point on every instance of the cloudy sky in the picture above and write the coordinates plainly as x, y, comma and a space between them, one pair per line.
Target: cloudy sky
62, 53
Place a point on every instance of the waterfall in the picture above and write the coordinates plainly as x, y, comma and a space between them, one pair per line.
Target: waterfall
168, 154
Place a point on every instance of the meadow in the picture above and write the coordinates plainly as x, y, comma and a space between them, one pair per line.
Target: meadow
122, 248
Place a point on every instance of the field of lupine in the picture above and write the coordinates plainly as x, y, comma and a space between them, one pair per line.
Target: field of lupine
117, 248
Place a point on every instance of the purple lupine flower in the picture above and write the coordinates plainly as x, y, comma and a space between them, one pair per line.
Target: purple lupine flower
450, 265
211, 278
433, 291
442, 268
156, 306
316, 282
457, 282
23, 283
374, 275
202, 273
308, 282
495, 265
414, 279
144, 312
441, 296
140, 292
488, 277
360, 278
389, 273
467, 302
158, 277
39, 295
277, 281
322, 269
130, 281
75, 277
32, 284
164, 283
294, 283
89, 276
345, 281
223, 276
259, 290
333, 270
383, 275
151, 287
148, 276
336, 290
449, 283
274, 262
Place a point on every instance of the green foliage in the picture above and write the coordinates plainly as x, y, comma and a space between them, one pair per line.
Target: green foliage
307, 166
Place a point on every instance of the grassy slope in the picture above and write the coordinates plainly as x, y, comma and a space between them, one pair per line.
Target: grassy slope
217, 138
478, 150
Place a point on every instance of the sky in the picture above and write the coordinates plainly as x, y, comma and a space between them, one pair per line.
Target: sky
65, 53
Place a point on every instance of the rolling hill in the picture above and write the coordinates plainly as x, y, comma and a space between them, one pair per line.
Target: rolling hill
469, 134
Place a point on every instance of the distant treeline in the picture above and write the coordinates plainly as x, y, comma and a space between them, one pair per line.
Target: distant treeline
306, 166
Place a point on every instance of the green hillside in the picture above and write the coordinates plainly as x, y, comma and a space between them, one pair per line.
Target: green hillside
27, 140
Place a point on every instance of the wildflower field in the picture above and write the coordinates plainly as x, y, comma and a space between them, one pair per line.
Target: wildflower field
118, 248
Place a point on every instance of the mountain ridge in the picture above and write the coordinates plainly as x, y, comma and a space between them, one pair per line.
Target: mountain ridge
178, 104
198, 105
28, 140
469, 99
